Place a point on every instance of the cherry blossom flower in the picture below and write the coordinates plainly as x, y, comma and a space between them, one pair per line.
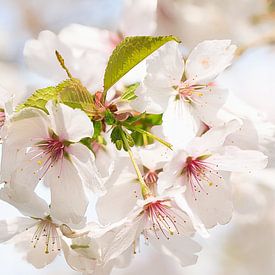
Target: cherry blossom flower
86, 252
157, 217
84, 59
163, 224
203, 169
50, 150
39, 234
185, 91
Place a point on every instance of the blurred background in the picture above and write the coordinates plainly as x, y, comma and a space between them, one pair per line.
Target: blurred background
246, 246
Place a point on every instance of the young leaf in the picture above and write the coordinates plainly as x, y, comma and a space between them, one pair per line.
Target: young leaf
39, 98
62, 63
70, 92
109, 117
97, 129
130, 52
75, 95
129, 93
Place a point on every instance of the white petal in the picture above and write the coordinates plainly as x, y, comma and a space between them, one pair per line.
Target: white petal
25, 200
69, 124
77, 261
239, 138
196, 221
165, 67
208, 103
123, 169
17, 168
84, 161
40, 55
37, 256
212, 204
231, 158
5, 96
68, 199
154, 156
208, 59
213, 138
105, 158
180, 124
79, 38
171, 171
179, 248
164, 71
114, 205
126, 234
33, 119
150, 100
130, 23
10, 228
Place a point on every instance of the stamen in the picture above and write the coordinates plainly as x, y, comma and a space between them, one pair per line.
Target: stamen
187, 93
48, 152
198, 172
160, 217
46, 231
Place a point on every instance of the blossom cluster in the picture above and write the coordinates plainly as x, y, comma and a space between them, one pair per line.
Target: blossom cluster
149, 145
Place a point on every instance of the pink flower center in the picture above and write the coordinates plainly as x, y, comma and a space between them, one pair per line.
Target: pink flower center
198, 173
189, 93
53, 148
160, 218
48, 152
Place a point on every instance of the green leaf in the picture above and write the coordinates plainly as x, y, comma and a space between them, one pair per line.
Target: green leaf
87, 142
70, 92
75, 95
150, 135
39, 98
129, 93
130, 52
109, 118
97, 129
140, 127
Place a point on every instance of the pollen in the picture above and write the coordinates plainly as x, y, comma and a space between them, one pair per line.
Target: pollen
162, 219
199, 174
47, 153
46, 233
